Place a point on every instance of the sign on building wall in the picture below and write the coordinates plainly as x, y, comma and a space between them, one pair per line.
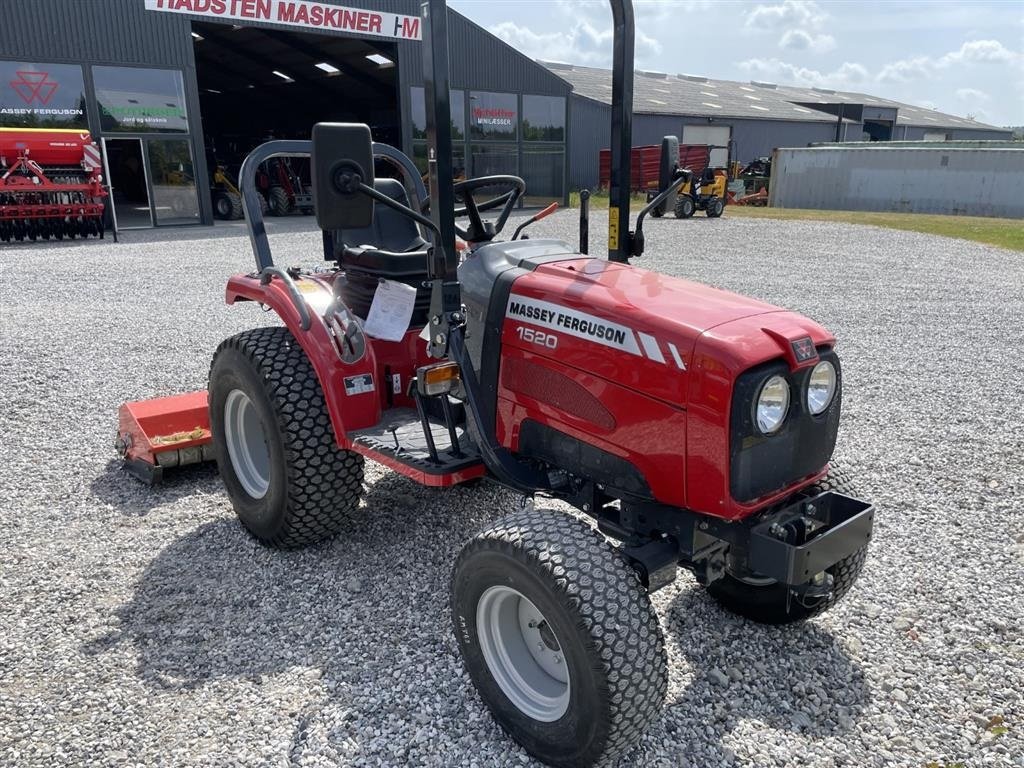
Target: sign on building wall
34, 95
300, 13
138, 100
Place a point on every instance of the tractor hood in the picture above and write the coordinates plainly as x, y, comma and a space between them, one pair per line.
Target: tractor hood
642, 328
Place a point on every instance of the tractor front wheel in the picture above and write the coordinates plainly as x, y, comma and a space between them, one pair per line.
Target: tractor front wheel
684, 207
272, 437
278, 201
769, 602
221, 205
715, 207
559, 637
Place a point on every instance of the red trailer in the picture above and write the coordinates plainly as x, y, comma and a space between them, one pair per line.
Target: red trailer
647, 161
51, 184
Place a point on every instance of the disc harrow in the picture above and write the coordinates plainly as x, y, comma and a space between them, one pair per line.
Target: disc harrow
53, 189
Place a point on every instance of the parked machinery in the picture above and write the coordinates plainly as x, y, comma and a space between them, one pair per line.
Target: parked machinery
703, 189
227, 200
51, 184
283, 189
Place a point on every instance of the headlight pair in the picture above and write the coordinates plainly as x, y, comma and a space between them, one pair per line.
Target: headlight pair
773, 400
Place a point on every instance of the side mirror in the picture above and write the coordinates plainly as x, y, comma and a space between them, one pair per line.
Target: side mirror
342, 159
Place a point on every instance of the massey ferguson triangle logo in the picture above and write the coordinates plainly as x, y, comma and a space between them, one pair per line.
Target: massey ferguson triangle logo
804, 349
34, 86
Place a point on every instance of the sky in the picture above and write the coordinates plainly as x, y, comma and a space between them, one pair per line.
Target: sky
964, 58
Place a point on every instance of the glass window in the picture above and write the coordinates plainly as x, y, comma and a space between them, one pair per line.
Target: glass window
543, 118
544, 174
42, 95
493, 115
419, 158
133, 100
174, 183
494, 159
457, 103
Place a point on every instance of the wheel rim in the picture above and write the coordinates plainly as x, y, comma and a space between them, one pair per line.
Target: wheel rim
522, 654
247, 444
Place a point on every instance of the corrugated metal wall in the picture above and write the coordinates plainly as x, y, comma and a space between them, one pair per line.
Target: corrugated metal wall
589, 131
970, 182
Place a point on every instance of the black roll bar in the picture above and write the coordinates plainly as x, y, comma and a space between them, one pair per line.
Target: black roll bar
286, 148
619, 247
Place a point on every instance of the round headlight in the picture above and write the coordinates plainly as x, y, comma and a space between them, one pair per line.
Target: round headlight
772, 404
821, 387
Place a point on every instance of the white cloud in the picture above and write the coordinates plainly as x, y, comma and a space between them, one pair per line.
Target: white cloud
848, 75
971, 94
788, 14
800, 21
579, 43
802, 40
971, 52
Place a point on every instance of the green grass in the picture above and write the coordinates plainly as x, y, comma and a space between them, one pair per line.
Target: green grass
1005, 233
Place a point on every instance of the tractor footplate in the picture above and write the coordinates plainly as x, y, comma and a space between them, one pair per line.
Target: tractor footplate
399, 434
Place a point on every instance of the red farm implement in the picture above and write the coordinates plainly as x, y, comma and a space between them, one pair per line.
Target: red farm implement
646, 163
51, 185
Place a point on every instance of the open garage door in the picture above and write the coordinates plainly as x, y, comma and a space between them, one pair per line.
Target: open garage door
257, 84
712, 135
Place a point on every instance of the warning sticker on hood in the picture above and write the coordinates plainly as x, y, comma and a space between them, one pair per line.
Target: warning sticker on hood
573, 322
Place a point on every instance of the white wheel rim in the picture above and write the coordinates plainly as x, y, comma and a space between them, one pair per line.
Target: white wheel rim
247, 444
522, 654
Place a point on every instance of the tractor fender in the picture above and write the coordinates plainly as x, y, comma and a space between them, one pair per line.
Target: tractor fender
350, 392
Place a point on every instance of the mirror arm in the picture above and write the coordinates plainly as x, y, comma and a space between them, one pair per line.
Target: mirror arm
380, 197
638, 235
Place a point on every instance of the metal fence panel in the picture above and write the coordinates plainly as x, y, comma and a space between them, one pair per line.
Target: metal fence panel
966, 182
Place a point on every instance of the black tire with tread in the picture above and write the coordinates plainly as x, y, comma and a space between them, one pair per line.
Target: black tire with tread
684, 207
601, 616
237, 212
278, 202
314, 486
221, 205
767, 604
715, 208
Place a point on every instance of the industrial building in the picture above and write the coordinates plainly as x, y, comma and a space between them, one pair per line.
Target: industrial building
756, 117
171, 87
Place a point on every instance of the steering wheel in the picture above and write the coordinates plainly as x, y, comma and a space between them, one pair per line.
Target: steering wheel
480, 231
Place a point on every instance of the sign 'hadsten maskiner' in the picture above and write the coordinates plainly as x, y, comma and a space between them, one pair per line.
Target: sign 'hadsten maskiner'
299, 13
578, 324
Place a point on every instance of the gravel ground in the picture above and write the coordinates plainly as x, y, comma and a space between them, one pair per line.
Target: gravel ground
143, 627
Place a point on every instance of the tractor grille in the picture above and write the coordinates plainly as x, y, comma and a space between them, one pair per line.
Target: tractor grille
763, 464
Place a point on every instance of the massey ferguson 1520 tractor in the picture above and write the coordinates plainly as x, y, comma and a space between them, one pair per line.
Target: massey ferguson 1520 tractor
694, 427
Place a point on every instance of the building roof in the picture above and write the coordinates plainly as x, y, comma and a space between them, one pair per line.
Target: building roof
693, 95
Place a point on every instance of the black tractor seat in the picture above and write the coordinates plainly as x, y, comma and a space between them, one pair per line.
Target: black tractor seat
391, 248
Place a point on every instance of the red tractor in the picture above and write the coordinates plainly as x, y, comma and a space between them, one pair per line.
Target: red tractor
692, 426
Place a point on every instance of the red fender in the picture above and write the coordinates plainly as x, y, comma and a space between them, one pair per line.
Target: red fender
349, 410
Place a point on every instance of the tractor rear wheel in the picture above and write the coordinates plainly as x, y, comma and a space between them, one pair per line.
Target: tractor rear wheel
684, 207
274, 443
278, 201
559, 637
766, 601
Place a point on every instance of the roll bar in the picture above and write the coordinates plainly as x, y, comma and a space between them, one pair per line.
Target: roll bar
285, 148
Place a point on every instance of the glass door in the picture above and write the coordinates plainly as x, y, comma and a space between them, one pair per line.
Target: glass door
175, 198
129, 185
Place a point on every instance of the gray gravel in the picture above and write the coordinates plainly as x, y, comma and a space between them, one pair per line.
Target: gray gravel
144, 627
